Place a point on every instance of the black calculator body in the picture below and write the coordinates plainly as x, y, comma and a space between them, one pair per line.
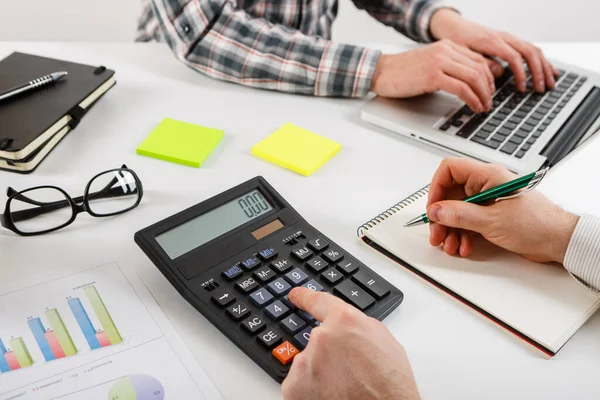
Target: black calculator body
235, 257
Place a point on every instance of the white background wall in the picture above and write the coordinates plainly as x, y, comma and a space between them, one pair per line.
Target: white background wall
110, 20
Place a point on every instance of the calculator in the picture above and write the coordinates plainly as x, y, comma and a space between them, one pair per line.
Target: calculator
236, 256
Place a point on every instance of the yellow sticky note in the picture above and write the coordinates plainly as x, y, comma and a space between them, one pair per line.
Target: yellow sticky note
296, 149
180, 142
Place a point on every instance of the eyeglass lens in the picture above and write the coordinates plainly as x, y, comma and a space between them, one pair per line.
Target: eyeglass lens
112, 192
40, 209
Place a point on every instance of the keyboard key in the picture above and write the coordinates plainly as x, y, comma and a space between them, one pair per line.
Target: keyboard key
494, 122
247, 285
292, 323
348, 267
499, 138
286, 300
302, 338
333, 256
251, 263
354, 295
515, 120
489, 143
445, 126
456, 122
467, 111
521, 133
531, 140
526, 127
313, 285
537, 116
481, 135
279, 287
238, 311
543, 110
232, 273
302, 253
306, 316
264, 274
269, 338
468, 128
332, 275
375, 286
488, 128
520, 154
276, 310
520, 114
515, 139
509, 126
285, 352
253, 325
223, 298
525, 147
317, 264
317, 244
281, 265
267, 254
504, 131
509, 148
261, 297
525, 108
296, 277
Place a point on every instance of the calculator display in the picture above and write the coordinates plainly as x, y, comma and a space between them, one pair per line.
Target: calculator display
208, 226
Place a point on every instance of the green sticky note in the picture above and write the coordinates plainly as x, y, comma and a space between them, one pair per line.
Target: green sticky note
180, 142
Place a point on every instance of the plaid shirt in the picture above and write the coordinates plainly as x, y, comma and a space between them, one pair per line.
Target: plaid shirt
278, 44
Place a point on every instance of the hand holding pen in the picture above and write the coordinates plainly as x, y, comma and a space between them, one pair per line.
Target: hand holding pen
529, 225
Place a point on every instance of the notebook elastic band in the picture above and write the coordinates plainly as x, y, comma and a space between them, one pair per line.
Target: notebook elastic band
393, 210
76, 114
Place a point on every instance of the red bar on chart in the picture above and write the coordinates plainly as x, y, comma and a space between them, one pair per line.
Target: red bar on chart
103, 338
54, 344
12, 361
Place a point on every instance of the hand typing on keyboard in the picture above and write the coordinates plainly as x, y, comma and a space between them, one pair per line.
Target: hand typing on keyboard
529, 225
349, 356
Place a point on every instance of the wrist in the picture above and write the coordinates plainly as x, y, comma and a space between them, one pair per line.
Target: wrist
443, 23
379, 67
562, 229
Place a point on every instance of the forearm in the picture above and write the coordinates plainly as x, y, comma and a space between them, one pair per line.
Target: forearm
582, 259
217, 40
412, 18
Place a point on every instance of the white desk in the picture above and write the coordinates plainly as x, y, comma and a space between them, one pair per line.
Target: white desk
455, 354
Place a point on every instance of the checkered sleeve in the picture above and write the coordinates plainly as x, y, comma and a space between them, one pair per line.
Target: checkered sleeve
214, 38
409, 17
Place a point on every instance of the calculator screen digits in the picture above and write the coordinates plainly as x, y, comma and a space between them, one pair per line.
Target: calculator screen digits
208, 226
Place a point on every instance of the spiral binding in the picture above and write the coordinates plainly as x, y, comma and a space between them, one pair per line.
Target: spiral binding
392, 210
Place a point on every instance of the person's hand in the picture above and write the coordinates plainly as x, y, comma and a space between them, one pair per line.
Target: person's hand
448, 24
443, 65
350, 356
529, 225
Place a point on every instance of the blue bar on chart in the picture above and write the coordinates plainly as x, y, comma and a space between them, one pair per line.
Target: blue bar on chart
3, 364
85, 324
39, 333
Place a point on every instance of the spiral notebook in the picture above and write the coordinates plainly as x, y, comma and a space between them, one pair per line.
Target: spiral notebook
540, 304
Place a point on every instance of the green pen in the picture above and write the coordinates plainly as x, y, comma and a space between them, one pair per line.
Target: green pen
498, 193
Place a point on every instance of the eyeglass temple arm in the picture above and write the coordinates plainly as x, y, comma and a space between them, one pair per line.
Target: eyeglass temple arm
44, 208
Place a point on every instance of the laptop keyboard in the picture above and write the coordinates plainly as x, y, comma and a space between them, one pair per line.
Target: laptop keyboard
516, 119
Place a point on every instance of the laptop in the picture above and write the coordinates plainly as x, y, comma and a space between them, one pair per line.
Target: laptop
523, 131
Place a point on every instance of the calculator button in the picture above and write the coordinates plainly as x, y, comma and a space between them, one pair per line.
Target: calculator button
332, 275
302, 338
302, 253
348, 291
296, 277
333, 255
313, 285
267, 254
254, 324
247, 285
286, 300
285, 352
306, 316
270, 338
317, 265
293, 323
261, 297
281, 265
223, 298
238, 311
348, 267
375, 286
250, 263
279, 287
317, 244
264, 274
277, 310
232, 273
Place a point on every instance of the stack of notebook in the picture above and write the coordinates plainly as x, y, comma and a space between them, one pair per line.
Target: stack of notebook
32, 124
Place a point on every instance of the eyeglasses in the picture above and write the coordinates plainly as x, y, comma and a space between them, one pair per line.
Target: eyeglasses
45, 209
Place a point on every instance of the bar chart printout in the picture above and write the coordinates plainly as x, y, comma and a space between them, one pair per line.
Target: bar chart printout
15, 358
39, 333
110, 330
61, 333
4, 367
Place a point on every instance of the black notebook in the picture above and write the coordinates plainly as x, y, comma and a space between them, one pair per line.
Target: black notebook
33, 123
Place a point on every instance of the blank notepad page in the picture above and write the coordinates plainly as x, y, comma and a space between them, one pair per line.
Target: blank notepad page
542, 301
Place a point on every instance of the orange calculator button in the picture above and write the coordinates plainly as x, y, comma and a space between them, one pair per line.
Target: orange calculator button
285, 352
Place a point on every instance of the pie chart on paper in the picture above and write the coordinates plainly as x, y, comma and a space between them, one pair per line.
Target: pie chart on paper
137, 387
